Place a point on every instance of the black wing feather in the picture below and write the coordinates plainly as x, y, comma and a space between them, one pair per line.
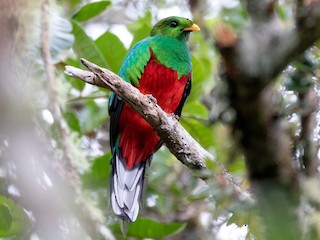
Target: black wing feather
115, 109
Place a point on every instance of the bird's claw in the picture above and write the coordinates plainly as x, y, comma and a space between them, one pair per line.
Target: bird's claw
174, 116
152, 98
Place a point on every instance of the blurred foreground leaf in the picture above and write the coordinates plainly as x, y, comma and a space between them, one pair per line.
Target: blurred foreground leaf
13, 220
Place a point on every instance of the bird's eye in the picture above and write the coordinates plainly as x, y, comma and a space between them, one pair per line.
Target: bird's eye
174, 24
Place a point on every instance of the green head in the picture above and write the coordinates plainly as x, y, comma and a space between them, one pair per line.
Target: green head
174, 27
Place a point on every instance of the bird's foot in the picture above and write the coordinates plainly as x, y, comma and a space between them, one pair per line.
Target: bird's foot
174, 116
152, 98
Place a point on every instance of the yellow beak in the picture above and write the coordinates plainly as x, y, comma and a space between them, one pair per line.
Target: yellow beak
194, 27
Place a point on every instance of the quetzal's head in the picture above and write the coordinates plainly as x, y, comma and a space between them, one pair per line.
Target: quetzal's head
174, 27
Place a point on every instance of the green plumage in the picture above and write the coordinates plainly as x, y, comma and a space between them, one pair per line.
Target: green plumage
172, 53
136, 60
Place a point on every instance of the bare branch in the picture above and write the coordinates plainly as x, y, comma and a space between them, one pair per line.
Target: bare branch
176, 138
86, 76
179, 142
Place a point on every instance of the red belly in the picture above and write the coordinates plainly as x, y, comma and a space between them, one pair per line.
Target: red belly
137, 138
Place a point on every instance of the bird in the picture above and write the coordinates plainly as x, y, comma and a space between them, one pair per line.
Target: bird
159, 65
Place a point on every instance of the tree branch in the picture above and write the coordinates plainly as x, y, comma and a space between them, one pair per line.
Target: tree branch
176, 138
179, 142
309, 105
52, 84
250, 62
272, 46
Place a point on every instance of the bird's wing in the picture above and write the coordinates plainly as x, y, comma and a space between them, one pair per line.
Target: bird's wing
135, 62
131, 70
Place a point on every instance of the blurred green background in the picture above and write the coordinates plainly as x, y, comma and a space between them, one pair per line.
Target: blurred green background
54, 141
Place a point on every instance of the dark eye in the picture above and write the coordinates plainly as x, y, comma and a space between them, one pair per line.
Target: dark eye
174, 24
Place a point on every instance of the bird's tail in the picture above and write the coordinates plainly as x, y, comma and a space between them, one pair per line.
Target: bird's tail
126, 187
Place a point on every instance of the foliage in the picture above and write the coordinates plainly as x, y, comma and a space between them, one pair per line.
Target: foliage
176, 201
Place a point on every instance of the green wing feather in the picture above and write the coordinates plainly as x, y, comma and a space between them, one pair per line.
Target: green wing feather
131, 70
135, 62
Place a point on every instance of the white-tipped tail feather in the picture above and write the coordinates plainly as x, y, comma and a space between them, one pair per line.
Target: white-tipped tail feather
126, 188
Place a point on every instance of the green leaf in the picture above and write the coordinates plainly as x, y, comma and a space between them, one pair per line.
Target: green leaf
6, 217
140, 34
237, 165
145, 20
93, 115
85, 47
72, 121
112, 49
148, 228
198, 69
198, 130
236, 17
13, 220
97, 176
195, 109
284, 12
91, 10
199, 74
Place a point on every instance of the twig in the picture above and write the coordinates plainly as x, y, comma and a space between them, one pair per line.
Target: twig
309, 104
49, 69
